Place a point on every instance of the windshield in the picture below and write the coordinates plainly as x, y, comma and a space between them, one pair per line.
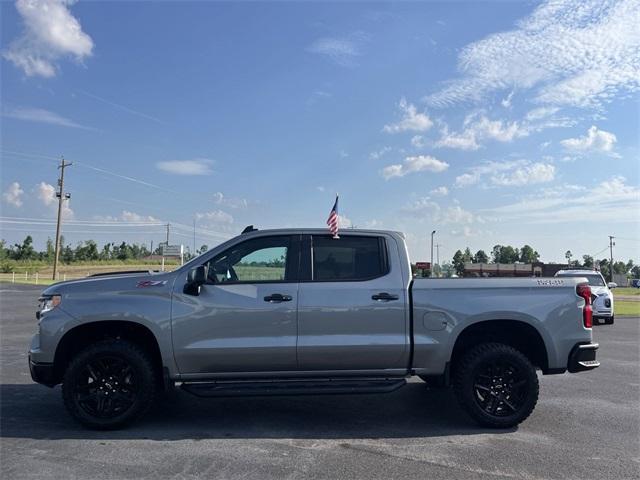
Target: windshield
593, 278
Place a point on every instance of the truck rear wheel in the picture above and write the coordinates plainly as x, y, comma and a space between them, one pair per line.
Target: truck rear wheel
109, 384
496, 385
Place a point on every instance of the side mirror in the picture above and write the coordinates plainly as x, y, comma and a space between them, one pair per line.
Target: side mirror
196, 277
612, 285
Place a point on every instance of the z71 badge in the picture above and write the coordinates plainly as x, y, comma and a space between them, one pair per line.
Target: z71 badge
550, 283
150, 283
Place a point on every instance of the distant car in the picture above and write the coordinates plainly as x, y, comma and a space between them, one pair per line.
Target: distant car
601, 296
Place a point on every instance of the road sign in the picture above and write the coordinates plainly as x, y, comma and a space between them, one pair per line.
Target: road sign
423, 265
172, 250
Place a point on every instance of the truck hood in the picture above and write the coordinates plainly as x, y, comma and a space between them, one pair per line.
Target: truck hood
599, 290
116, 281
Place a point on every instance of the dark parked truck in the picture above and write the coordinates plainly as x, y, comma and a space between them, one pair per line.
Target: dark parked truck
296, 311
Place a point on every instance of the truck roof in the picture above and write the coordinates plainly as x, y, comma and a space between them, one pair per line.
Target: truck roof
320, 231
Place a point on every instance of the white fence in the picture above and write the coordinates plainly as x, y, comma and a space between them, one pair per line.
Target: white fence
36, 278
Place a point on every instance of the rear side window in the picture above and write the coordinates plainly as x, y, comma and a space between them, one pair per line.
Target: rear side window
348, 258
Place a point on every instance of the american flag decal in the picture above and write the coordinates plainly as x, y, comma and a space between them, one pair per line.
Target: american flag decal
332, 221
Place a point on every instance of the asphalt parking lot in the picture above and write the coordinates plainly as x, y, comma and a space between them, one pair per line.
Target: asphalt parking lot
586, 426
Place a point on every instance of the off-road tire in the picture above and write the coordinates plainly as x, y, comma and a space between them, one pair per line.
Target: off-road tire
474, 389
140, 392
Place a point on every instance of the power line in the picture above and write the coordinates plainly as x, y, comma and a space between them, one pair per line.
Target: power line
92, 232
86, 223
96, 169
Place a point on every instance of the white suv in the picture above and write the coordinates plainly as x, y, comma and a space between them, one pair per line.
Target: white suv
601, 296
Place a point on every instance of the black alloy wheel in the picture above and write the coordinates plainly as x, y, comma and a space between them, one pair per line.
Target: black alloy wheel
109, 384
496, 385
106, 387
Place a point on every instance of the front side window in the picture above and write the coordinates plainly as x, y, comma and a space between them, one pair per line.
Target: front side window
257, 260
348, 258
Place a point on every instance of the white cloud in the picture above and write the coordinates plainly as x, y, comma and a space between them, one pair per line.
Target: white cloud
374, 223
411, 120
344, 222
215, 216
611, 200
47, 195
198, 166
456, 214
509, 173
568, 52
414, 164
440, 192
425, 207
42, 116
133, 217
378, 154
342, 51
540, 113
526, 175
128, 217
478, 128
595, 140
417, 141
320, 188
467, 179
506, 102
50, 33
220, 199
13, 195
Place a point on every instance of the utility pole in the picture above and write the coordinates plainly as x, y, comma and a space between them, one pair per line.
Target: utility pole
438, 245
61, 198
194, 236
166, 244
431, 271
611, 244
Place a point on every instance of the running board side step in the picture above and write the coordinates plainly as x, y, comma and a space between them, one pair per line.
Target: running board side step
331, 386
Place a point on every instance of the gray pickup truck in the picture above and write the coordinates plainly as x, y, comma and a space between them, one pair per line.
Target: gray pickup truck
295, 311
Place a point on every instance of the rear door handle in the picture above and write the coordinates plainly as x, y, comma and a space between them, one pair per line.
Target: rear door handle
277, 298
384, 297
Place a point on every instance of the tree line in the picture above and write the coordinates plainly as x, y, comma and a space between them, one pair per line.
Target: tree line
526, 254
87, 250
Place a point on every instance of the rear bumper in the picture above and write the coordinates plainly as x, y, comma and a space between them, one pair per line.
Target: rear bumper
583, 358
42, 373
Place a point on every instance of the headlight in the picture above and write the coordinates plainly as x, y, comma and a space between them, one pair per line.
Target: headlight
48, 303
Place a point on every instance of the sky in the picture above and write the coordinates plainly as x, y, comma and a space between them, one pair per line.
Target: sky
497, 122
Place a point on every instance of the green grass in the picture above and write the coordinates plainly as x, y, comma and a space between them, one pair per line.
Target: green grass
630, 308
626, 291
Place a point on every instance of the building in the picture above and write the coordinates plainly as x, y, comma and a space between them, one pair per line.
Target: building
537, 269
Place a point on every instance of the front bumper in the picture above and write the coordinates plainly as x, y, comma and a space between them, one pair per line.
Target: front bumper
583, 357
43, 373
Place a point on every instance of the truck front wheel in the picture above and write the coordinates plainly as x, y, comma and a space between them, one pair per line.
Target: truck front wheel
496, 385
109, 384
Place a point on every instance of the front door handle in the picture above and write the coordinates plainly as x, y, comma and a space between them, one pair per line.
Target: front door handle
277, 298
384, 297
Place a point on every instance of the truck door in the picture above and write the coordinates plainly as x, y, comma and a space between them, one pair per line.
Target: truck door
352, 306
244, 319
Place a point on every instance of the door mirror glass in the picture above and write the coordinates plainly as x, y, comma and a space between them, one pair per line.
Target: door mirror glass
196, 277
